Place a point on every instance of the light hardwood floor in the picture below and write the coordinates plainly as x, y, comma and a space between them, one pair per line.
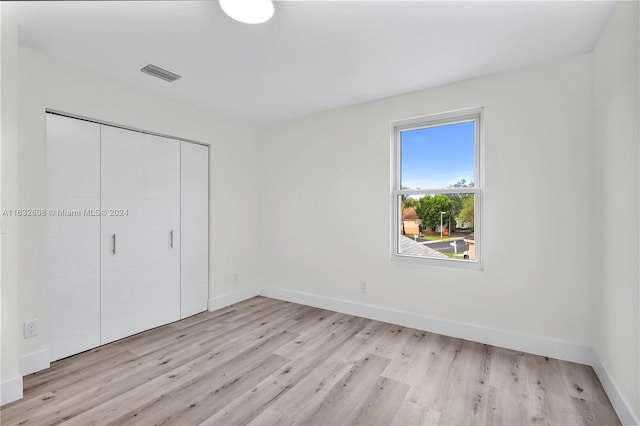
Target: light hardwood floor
269, 362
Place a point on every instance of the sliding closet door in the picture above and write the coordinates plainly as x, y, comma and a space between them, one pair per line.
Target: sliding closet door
140, 248
72, 246
195, 228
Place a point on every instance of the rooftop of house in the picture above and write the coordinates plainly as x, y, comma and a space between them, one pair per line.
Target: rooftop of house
409, 214
413, 248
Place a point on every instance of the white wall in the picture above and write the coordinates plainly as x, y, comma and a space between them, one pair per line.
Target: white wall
616, 319
46, 82
10, 379
324, 203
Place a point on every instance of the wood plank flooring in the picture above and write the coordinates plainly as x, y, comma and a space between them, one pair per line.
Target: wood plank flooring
269, 362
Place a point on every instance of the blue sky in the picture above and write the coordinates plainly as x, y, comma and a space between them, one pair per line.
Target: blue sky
437, 157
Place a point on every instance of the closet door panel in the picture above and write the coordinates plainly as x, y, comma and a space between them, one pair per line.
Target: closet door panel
129, 247
195, 269
148, 303
124, 146
68, 256
161, 215
161, 153
74, 314
72, 225
72, 177
195, 158
157, 248
72, 138
130, 216
195, 243
194, 205
194, 186
162, 184
141, 281
194, 289
122, 171
162, 218
122, 181
72, 243
196, 212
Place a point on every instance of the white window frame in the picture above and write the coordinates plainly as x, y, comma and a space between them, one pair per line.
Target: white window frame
476, 115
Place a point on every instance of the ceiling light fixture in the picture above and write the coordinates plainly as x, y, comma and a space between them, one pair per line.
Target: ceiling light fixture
248, 11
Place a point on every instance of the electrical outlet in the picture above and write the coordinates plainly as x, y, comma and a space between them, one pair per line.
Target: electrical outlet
363, 287
30, 328
235, 278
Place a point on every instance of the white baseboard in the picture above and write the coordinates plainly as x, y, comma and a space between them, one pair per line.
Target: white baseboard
35, 361
227, 299
11, 390
618, 401
490, 336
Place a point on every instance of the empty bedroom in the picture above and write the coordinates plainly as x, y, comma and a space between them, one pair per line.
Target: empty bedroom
271, 212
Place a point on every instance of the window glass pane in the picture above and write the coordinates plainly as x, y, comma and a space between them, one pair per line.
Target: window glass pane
438, 157
437, 226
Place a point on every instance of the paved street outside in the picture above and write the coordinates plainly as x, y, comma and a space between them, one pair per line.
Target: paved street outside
445, 245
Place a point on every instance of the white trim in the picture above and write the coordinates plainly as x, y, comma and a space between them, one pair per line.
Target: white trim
467, 265
475, 115
11, 390
490, 336
436, 191
620, 404
227, 299
35, 361
437, 119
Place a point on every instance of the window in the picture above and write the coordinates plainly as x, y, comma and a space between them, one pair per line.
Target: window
437, 189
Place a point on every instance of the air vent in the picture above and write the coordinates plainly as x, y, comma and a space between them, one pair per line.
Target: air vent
156, 71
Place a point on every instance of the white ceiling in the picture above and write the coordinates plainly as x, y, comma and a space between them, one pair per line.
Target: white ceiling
313, 55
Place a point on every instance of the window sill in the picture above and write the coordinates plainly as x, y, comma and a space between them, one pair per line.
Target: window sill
439, 263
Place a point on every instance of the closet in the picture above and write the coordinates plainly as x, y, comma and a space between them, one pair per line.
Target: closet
127, 240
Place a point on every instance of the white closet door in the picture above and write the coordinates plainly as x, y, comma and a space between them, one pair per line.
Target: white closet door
140, 251
72, 268
195, 228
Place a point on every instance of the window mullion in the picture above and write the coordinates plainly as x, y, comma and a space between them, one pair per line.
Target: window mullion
436, 191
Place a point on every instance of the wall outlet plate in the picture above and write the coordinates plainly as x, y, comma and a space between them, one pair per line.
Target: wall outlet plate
30, 328
363, 287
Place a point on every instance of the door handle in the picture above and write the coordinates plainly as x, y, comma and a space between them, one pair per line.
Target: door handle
113, 249
171, 239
